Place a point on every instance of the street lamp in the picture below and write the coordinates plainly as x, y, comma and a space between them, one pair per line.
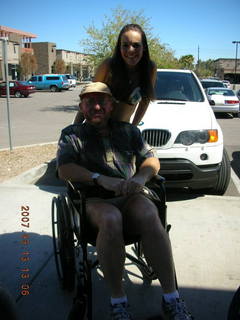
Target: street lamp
235, 72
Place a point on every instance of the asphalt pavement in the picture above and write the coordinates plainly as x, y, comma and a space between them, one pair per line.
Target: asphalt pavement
204, 236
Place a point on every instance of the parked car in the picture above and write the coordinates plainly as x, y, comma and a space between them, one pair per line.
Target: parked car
72, 80
188, 140
227, 84
17, 89
223, 100
53, 82
209, 83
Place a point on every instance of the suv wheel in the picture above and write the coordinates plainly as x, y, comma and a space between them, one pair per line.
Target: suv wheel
223, 175
17, 94
54, 88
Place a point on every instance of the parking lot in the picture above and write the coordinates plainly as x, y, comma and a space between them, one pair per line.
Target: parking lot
38, 118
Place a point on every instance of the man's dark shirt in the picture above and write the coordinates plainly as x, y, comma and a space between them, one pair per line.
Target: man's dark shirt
118, 155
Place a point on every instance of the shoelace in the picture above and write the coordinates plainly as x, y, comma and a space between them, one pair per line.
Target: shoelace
178, 308
119, 312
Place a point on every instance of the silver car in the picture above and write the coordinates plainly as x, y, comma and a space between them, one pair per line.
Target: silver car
223, 100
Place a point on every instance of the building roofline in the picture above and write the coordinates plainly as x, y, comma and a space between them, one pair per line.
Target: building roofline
71, 51
24, 34
83, 53
44, 42
224, 59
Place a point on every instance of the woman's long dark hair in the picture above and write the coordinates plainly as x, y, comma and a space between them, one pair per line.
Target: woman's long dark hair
120, 78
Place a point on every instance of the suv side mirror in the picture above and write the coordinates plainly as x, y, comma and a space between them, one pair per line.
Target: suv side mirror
211, 102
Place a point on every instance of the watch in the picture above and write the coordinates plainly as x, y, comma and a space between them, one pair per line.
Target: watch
95, 177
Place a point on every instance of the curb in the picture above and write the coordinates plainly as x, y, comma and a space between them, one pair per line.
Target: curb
29, 176
29, 145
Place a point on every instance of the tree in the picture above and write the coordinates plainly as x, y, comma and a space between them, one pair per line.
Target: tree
101, 42
28, 64
206, 68
59, 66
186, 62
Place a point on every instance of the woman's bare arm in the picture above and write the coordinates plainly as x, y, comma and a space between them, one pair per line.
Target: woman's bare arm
143, 105
102, 72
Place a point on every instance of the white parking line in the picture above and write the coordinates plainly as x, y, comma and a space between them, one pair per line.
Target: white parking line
235, 180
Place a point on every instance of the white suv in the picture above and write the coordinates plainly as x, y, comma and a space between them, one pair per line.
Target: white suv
181, 126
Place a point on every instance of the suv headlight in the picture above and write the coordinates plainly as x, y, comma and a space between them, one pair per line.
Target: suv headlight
197, 136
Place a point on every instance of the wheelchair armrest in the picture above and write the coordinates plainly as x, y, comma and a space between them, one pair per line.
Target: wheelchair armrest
76, 190
75, 186
157, 184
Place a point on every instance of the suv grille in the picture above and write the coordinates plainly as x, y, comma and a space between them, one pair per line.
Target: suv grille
156, 137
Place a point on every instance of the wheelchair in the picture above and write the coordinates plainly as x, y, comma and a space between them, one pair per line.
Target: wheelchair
71, 237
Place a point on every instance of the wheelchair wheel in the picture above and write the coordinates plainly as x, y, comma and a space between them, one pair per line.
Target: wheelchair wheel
63, 242
234, 309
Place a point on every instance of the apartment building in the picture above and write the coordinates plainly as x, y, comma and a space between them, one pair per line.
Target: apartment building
18, 42
45, 53
77, 63
225, 69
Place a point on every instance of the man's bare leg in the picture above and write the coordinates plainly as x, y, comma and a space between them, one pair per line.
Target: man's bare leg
109, 244
141, 213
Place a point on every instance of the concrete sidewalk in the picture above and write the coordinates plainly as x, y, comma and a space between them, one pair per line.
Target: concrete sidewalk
205, 240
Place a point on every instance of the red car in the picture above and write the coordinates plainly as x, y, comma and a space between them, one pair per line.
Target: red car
17, 89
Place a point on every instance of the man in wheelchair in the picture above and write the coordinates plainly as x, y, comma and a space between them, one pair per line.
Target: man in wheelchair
114, 162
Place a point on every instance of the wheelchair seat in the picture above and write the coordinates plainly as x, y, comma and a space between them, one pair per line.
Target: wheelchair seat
72, 234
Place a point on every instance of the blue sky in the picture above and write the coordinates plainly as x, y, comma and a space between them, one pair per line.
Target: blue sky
183, 25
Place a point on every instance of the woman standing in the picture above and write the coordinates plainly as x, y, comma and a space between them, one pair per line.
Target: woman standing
130, 75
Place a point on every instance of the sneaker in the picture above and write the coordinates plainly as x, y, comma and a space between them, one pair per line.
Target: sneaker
119, 312
175, 310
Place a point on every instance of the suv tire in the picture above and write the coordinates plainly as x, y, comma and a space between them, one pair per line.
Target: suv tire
223, 175
54, 88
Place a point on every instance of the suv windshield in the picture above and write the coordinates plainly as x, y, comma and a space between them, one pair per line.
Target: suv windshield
179, 86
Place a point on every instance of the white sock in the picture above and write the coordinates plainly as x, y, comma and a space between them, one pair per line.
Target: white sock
168, 297
119, 300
